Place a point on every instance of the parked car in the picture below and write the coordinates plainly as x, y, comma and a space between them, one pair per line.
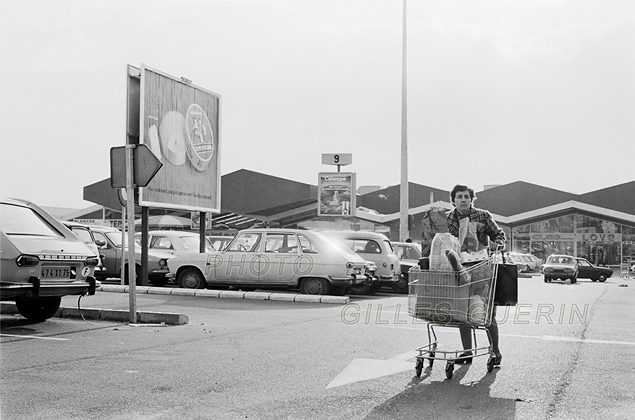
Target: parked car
532, 262
113, 253
521, 264
85, 235
373, 247
175, 241
408, 254
220, 242
561, 267
41, 260
279, 258
586, 270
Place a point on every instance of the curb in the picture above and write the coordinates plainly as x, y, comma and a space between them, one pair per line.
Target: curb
116, 315
228, 294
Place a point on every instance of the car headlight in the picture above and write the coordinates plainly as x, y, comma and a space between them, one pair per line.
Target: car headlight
27, 261
163, 262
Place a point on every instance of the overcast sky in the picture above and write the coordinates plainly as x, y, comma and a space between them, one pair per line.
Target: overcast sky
498, 91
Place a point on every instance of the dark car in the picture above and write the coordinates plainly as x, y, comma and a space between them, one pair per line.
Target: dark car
561, 267
586, 270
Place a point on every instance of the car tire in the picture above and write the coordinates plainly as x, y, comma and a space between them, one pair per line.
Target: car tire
360, 289
574, 280
338, 290
191, 278
137, 275
159, 282
38, 309
314, 286
547, 279
602, 278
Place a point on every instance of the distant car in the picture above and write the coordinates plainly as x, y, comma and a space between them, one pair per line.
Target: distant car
586, 270
41, 260
85, 235
175, 241
220, 242
113, 253
274, 258
373, 247
532, 262
561, 267
408, 254
521, 263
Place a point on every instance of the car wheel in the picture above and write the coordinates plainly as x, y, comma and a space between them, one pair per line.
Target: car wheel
38, 309
602, 278
594, 280
314, 286
546, 279
338, 290
191, 278
360, 289
574, 280
401, 286
137, 271
159, 282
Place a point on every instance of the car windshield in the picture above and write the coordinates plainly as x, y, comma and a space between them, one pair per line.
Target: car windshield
560, 260
18, 220
336, 245
115, 238
83, 234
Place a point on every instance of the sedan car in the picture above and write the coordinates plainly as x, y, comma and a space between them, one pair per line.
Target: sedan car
175, 242
408, 254
561, 267
278, 258
373, 247
85, 235
41, 260
586, 270
113, 254
531, 262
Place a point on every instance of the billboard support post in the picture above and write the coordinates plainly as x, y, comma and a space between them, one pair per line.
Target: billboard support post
130, 257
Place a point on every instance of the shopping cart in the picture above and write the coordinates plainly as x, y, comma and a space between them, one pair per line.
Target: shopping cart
453, 299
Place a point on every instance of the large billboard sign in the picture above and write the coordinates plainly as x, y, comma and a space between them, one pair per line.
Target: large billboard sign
180, 123
336, 194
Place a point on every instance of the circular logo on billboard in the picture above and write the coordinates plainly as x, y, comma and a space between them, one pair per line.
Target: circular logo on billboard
200, 138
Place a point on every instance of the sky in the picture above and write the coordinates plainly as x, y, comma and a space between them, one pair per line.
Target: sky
538, 91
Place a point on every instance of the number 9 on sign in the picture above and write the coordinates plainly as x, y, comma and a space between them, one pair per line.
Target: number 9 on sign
339, 159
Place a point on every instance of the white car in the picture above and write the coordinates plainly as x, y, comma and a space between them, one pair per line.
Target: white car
373, 247
278, 258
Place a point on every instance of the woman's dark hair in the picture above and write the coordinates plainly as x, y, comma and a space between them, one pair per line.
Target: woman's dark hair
458, 188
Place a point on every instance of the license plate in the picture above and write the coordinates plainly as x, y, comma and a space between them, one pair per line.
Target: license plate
56, 272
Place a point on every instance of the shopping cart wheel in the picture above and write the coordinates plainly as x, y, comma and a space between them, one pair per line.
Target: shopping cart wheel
419, 367
490, 364
431, 358
449, 369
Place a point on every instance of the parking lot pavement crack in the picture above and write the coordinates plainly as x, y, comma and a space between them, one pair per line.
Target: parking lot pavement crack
567, 376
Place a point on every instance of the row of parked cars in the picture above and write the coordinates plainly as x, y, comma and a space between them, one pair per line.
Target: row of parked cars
44, 259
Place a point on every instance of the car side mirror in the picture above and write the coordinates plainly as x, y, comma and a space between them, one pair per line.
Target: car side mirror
100, 243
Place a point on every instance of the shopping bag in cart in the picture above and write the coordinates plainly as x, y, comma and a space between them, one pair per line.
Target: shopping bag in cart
506, 285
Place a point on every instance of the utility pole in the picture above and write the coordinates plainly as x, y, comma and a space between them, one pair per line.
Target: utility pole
404, 202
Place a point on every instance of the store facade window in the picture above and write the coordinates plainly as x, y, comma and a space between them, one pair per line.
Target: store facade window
601, 241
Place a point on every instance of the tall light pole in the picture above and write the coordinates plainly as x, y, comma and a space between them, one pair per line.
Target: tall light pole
403, 192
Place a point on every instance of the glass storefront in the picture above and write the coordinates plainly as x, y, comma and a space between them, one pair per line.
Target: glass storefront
600, 241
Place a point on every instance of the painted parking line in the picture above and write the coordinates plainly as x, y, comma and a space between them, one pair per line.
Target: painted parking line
572, 339
34, 336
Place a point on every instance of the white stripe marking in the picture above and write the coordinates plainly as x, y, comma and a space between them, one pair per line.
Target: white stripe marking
34, 336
